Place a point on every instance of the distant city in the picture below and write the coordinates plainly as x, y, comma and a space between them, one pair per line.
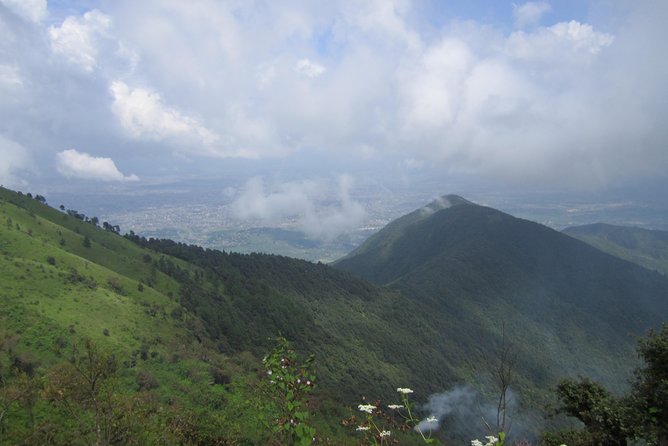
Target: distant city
190, 212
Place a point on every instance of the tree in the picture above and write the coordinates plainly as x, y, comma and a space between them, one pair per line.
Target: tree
602, 414
86, 242
650, 390
85, 382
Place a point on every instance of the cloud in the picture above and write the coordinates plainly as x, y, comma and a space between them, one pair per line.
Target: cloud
308, 203
14, 158
10, 77
33, 10
75, 39
530, 13
309, 69
575, 101
143, 115
74, 164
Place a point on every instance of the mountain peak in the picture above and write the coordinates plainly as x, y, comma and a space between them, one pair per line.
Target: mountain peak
443, 202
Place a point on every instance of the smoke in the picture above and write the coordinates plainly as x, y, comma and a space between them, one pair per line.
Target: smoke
320, 211
462, 413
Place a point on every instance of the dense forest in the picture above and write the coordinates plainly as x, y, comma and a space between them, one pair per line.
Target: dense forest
110, 339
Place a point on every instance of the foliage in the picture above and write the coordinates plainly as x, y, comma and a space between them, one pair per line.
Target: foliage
287, 385
611, 421
603, 415
380, 426
650, 390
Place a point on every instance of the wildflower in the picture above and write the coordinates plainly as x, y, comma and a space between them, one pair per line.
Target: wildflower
491, 439
368, 408
476, 443
269, 372
395, 406
385, 433
362, 428
404, 390
431, 419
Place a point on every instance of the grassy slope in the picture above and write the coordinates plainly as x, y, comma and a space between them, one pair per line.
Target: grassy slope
44, 308
648, 248
88, 291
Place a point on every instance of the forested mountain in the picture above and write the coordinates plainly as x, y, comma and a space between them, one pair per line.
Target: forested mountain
568, 306
187, 326
648, 248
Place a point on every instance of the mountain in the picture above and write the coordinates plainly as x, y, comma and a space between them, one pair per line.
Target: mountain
566, 305
453, 282
648, 248
188, 327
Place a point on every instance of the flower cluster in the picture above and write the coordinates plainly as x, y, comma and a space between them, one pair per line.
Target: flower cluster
376, 427
368, 408
491, 441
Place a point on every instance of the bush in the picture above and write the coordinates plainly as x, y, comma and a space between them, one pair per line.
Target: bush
146, 380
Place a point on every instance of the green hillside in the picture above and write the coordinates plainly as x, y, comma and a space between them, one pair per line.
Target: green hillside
186, 327
567, 306
648, 248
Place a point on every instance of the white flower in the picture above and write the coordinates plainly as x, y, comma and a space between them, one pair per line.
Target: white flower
362, 428
385, 433
476, 443
395, 406
404, 390
491, 439
368, 408
269, 372
431, 419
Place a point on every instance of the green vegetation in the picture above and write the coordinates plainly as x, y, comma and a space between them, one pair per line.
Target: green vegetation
107, 339
648, 248
641, 414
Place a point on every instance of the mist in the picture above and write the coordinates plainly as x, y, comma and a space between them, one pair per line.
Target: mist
319, 209
463, 414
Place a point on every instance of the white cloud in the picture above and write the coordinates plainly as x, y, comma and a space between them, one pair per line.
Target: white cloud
307, 203
33, 10
74, 164
10, 77
222, 79
143, 115
14, 158
530, 13
76, 38
308, 68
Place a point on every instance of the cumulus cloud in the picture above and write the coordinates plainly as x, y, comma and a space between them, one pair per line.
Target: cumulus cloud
308, 203
75, 39
33, 10
572, 101
530, 13
142, 114
74, 164
14, 159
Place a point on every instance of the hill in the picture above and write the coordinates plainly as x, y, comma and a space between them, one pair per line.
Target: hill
188, 325
566, 305
648, 248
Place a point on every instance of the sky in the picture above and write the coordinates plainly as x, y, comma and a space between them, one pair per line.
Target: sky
567, 94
